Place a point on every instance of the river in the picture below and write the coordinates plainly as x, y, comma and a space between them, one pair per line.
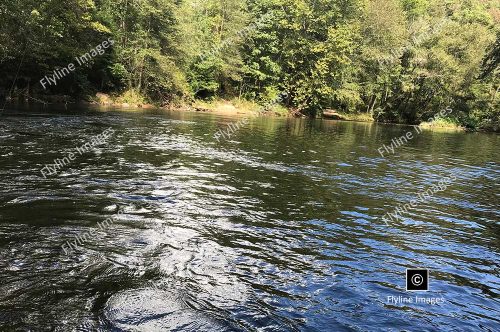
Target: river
277, 228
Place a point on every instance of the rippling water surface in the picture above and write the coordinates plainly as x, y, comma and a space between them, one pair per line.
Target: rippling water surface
277, 229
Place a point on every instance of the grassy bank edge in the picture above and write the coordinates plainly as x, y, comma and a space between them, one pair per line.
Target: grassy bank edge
133, 100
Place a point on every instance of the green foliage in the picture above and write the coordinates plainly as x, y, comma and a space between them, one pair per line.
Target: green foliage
45, 35
415, 8
213, 38
483, 101
305, 50
438, 65
146, 49
131, 97
395, 60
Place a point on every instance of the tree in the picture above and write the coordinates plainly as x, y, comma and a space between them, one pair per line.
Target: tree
214, 33
147, 51
45, 35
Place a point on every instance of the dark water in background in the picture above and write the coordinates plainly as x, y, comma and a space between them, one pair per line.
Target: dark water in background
276, 230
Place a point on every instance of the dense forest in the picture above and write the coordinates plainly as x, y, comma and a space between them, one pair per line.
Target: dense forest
397, 60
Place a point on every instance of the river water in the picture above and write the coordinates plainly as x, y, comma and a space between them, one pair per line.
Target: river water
276, 229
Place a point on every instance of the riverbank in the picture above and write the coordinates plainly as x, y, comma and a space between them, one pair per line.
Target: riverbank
130, 101
227, 107
219, 106
443, 124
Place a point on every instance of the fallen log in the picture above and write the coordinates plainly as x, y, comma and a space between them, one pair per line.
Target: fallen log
332, 114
